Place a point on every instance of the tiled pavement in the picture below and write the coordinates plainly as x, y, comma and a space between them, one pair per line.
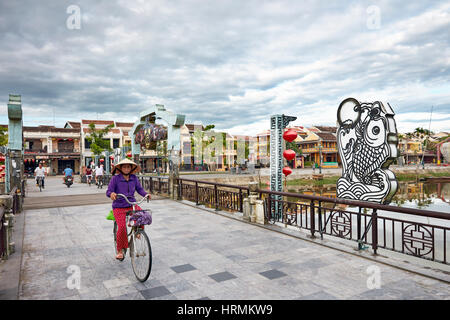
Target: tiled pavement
197, 255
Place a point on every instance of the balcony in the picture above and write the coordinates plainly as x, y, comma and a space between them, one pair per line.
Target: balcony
66, 150
317, 150
35, 151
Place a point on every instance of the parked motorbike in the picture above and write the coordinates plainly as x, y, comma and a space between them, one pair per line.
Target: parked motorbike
68, 181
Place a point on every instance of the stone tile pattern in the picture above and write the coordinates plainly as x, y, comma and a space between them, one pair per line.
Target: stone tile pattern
197, 255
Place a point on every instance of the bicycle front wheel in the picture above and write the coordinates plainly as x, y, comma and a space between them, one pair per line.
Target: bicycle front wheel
141, 255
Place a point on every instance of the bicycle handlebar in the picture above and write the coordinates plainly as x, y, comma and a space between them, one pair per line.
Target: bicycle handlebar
133, 203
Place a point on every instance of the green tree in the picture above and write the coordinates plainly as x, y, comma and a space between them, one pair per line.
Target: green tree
98, 143
293, 147
3, 136
200, 136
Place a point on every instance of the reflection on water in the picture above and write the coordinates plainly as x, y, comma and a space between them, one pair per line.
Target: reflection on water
418, 195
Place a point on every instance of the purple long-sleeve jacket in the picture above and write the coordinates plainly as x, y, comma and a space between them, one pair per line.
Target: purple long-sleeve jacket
118, 184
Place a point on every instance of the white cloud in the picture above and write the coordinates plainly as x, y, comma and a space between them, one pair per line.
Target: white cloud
230, 63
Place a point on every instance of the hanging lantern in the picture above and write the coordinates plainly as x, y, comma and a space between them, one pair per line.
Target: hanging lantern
2, 158
289, 154
290, 135
101, 160
111, 157
129, 154
287, 171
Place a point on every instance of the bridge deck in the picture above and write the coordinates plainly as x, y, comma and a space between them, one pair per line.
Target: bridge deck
197, 254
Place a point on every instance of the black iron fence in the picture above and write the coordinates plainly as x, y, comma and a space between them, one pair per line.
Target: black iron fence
213, 195
15, 208
15, 200
420, 233
2, 233
155, 184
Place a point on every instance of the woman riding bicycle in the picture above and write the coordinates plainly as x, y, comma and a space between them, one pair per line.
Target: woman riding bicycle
127, 183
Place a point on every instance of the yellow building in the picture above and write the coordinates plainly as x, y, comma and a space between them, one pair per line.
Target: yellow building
320, 147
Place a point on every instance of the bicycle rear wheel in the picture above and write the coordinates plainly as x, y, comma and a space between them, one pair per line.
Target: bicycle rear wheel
141, 255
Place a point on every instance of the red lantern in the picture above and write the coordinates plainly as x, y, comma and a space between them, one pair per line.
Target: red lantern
101, 160
290, 135
287, 171
2, 158
289, 154
111, 157
129, 154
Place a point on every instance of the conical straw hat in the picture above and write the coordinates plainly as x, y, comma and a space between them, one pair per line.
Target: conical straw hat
134, 167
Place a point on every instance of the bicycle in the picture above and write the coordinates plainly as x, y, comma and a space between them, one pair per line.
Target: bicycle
39, 181
138, 243
100, 182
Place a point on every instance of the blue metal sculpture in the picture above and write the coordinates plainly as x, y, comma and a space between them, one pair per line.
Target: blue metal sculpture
367, 143
148, 134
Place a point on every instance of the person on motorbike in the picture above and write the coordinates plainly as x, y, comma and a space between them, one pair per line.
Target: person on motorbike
68, 172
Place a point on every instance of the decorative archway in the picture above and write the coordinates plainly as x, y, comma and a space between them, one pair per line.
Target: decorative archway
158, 112
147, 131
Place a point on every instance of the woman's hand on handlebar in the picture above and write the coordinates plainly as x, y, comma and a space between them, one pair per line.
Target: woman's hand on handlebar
113, 196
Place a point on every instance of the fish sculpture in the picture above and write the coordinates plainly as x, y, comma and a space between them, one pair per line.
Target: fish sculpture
367, 143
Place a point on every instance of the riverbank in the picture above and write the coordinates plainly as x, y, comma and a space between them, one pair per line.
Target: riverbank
399, 176
303, 177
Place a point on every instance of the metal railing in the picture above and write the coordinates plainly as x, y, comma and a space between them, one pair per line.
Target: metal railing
15, 201
4, 225
214, 195
404, 230
155, 184
420, 233
3, 233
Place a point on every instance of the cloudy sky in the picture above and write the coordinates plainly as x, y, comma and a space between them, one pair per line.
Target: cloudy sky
228, 63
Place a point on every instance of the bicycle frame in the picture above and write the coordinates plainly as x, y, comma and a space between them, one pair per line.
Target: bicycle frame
39, 181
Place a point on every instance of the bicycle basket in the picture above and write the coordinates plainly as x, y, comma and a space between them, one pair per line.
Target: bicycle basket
141, 217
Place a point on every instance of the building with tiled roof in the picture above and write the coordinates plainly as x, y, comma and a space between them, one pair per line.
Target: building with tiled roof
72, 124
326, 129
54, 147
124, 124
97, 122
320, 147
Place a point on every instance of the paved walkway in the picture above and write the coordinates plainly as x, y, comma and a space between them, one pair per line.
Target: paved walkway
198, 255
